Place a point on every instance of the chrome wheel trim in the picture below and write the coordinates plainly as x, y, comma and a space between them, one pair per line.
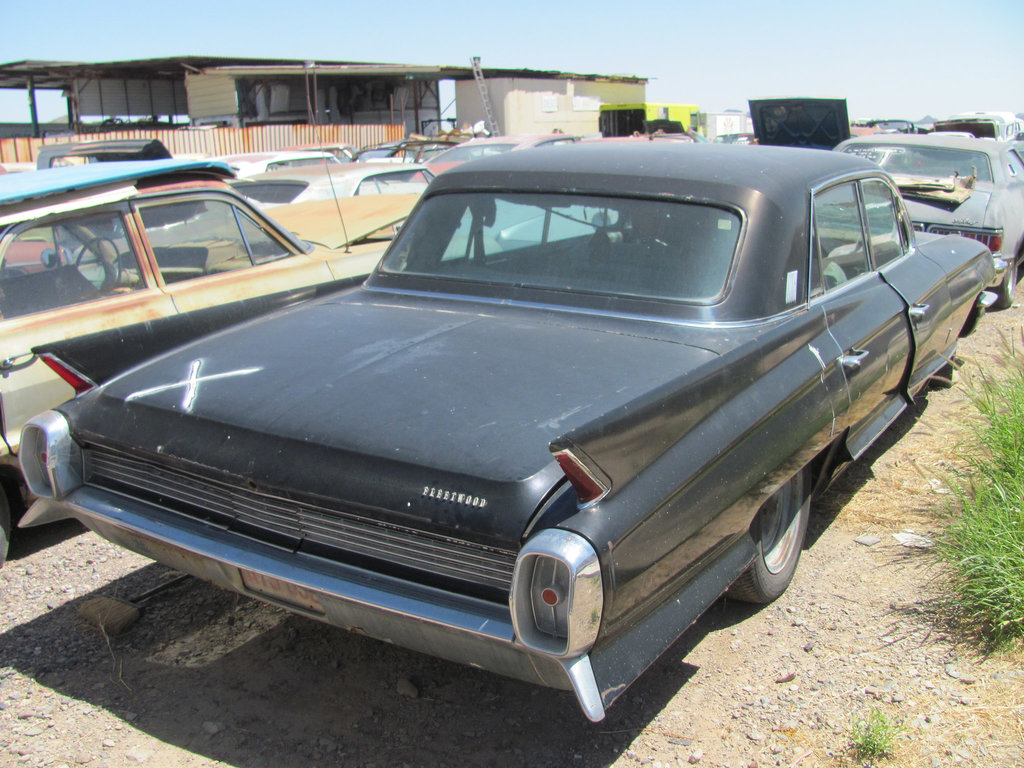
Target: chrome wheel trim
778, 546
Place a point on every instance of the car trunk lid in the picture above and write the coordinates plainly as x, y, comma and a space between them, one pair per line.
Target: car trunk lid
424, 412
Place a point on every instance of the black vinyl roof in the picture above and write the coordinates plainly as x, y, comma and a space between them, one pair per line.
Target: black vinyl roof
710, 172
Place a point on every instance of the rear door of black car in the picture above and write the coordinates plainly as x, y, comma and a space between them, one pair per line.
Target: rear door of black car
865, 315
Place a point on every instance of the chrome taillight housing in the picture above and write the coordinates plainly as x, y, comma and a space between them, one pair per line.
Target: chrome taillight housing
589, 488
50, 460
557, 594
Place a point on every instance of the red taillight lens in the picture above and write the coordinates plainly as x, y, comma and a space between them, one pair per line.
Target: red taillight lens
993, 241
588, 488
77, 381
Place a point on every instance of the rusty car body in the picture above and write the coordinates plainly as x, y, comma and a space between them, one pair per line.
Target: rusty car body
587, 390
101, 246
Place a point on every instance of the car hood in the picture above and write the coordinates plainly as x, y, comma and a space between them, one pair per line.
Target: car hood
800, 122
430, 412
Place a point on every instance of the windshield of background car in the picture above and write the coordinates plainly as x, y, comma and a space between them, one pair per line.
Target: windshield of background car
632, 247
271, 192
937, 162
396, 182
465, 152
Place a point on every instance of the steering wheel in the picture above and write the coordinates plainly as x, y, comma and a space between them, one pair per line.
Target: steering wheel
99, 246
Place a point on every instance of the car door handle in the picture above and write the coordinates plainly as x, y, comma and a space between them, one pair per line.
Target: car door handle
852, 360
919, 312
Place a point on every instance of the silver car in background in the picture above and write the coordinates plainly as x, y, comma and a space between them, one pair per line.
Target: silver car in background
958, 185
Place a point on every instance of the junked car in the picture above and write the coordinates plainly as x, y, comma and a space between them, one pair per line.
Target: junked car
485, 146
82, 153
1001, 126
586, 391
300, 185
247, 164
957, 185
106, 245
410, 150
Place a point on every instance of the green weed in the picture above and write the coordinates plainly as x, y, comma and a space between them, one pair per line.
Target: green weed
872, 737
984, 545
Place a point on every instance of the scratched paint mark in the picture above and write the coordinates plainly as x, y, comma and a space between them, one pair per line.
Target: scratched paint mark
557, 420
821, 377
190, 384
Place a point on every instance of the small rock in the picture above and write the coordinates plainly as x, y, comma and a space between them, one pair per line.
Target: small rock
913, 540
406, 688
138, 755
868, 540
786, 678
951, 671
212, 728
695, 757
755, 736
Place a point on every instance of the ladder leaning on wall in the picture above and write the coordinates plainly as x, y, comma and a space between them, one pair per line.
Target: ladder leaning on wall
478, 74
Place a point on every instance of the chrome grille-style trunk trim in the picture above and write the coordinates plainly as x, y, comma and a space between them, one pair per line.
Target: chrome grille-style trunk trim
297, 524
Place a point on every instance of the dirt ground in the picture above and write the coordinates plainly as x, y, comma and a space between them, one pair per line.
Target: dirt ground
206, 678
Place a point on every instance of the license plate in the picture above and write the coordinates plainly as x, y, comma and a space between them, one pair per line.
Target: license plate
281, 591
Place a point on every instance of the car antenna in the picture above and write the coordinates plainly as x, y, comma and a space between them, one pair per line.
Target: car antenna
312, 112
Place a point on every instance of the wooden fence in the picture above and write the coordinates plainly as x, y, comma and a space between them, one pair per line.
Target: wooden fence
205, 142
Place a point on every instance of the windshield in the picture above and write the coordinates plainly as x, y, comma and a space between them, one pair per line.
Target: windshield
466, 152
935, 162
622, 246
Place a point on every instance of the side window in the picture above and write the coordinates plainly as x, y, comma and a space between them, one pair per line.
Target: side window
883, 225
68, 261
1016, 163
194, 238
839, 236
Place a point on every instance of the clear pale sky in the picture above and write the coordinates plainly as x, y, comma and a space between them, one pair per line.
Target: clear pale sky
888, 58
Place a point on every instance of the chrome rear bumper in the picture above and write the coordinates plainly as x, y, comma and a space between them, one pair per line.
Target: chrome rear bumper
426, 619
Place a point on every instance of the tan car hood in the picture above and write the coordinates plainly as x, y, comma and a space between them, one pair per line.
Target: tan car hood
316, 221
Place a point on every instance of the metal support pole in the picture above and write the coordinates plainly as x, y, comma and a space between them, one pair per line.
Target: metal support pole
32, 106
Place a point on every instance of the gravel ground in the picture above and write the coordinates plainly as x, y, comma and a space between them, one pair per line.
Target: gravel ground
206, 678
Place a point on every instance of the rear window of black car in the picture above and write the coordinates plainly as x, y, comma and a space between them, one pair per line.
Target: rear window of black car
632, 247
933, 162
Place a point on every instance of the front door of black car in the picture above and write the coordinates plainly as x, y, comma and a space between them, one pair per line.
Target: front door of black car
865, 315
920, 281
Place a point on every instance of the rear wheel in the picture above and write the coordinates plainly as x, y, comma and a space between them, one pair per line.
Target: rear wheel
779, 530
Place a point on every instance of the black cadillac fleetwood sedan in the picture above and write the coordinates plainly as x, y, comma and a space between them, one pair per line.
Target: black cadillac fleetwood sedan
588, 390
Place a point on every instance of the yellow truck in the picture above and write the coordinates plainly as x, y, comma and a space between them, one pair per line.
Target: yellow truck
647, 117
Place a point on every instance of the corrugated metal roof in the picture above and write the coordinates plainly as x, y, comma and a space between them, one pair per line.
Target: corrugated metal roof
57, 74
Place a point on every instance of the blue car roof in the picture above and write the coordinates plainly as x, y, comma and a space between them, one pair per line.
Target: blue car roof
28, 185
